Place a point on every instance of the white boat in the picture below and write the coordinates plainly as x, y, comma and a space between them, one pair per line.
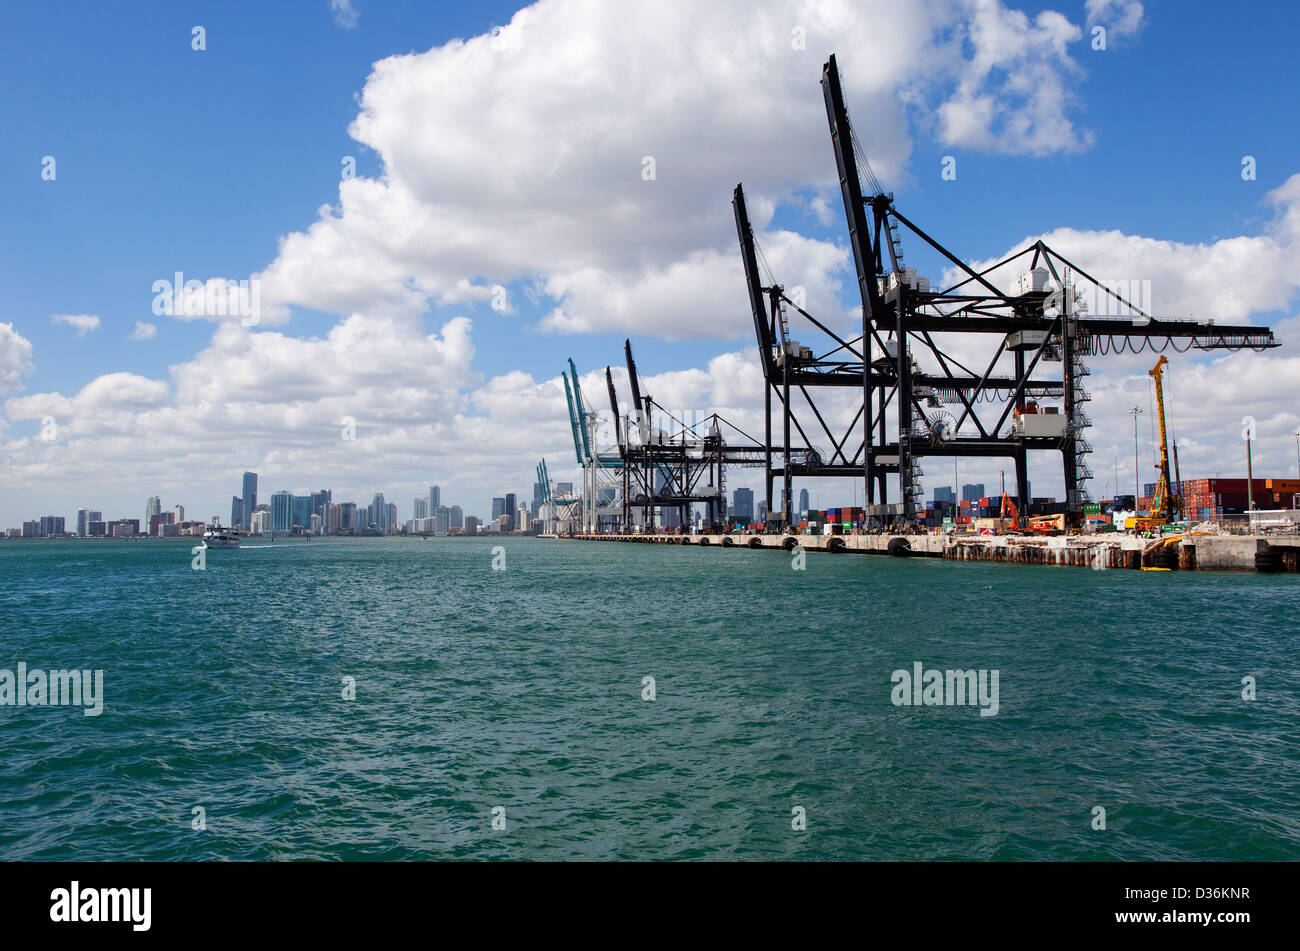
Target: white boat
220, 538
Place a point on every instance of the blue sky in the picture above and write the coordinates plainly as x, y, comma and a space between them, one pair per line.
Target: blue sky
171, 159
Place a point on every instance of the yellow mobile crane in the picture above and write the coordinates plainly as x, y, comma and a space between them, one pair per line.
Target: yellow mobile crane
1166, 506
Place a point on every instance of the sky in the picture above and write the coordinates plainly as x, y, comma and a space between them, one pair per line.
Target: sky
434, 206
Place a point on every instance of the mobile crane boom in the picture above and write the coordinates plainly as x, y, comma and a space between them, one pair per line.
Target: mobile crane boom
1165, 503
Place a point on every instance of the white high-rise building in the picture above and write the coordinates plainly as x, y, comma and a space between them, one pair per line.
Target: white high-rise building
421, 509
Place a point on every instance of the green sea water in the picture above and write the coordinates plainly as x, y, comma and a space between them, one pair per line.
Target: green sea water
519, 696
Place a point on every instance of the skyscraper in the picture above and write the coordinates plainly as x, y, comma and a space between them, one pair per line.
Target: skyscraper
250, 501
511, 508
762, 511
83, 516
457, 515
152, 507
498, 508
442, 520
237, 519
803, 500
435, 498
390, 518
421, 508
302, 511
281, 512
742, 506
971, 491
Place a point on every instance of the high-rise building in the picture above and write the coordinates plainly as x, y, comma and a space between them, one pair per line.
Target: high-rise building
152, 507
83, 519
320, 505
379, 513
945, 493
972, 491
523, 520
564, 490
457, 516
471, 524
421, 508
281, 512
742, 505
498, 508
761, 511
237, 519
302, 511
390, 518
249, 496
538, 493
442, 520
435, 498
511, 508
343, 518
178, 513
260, 521
51, 525
803, 500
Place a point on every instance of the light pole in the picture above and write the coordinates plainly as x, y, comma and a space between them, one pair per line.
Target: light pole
1297, 452
1137, 487
1250, 485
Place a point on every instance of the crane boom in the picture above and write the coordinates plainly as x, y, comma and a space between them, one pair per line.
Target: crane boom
1165, 503
573, 420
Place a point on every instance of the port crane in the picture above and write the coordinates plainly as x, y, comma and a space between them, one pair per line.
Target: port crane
902, 360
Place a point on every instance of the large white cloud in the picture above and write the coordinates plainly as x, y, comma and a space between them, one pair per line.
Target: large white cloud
524, 155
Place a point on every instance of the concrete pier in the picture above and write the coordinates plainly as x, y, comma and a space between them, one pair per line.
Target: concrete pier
1113, 550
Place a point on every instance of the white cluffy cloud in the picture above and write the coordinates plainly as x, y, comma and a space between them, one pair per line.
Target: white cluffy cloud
345, 14
1121, 18
564, 150
144, 330
15, 358
84, 323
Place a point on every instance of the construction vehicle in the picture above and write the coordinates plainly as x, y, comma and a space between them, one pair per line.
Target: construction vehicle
1166, 506
1034, 524
1010, 514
